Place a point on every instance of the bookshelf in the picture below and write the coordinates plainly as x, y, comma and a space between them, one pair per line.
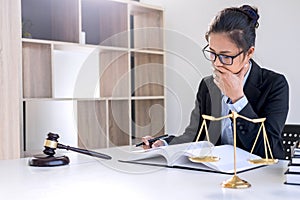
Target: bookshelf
93, 72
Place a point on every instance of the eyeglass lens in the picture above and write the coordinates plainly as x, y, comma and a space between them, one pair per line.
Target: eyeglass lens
227, 60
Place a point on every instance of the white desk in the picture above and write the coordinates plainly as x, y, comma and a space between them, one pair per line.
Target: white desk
91, 178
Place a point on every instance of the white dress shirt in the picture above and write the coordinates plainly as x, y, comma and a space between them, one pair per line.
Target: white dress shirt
227, 105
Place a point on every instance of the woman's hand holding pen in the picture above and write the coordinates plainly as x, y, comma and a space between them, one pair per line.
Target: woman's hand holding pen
148, 145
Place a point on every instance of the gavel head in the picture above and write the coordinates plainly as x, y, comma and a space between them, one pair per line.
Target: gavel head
51, 144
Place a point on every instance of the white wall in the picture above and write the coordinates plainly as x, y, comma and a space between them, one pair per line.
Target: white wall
277, 48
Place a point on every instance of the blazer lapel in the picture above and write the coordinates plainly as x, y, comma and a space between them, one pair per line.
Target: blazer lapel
252, 85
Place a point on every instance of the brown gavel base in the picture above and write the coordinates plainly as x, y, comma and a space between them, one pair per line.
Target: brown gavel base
43, 160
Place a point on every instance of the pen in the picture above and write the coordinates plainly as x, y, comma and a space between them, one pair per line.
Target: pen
152, 140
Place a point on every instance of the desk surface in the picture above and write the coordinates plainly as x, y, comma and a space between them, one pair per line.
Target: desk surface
92, 178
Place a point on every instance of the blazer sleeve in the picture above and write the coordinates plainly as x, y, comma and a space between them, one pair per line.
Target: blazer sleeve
272, 103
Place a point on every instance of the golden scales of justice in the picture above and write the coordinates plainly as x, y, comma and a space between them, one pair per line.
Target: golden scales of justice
235, 181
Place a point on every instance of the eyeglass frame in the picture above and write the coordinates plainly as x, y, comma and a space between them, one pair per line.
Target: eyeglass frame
219, 55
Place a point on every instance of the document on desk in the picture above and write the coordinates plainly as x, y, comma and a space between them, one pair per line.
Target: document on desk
177, 156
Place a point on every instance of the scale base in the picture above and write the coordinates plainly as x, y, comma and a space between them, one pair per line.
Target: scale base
236, 183
48, 161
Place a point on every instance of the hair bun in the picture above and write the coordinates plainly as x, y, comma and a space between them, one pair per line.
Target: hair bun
251, 13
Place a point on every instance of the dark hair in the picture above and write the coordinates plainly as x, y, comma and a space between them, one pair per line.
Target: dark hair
239, 23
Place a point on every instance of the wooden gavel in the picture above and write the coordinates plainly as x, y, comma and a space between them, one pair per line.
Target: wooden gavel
51, 143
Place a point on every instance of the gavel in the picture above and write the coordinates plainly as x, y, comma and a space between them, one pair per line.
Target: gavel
51, 144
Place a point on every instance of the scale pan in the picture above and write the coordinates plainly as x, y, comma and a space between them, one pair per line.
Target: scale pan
263, 161
204, 159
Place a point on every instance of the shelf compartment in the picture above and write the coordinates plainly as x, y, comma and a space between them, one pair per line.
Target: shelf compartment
146, 26
119, 124
147, 74
43, 117
148, 118
56, 20
105, 22
37, 75
75, 71
92, 124
114, 73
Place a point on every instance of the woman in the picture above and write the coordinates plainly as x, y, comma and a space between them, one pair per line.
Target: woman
237, 84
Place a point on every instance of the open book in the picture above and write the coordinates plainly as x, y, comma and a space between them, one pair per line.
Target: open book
177, 156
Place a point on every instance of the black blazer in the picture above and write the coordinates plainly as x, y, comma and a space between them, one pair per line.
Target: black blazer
268, 96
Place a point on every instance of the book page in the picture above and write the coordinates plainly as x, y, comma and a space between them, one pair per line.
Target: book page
226, 162
155, 156
167, 155
177, 156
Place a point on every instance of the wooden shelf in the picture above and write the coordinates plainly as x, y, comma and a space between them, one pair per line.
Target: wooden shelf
71, 45
100, 63
148, 98
147, 51
85, 99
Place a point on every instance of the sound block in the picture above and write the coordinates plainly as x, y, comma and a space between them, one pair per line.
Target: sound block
48, 161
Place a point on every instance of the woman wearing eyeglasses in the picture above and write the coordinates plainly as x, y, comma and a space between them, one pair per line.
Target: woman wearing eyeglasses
237, 84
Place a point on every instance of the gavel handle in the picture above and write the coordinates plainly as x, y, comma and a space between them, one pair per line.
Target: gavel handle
84, 151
